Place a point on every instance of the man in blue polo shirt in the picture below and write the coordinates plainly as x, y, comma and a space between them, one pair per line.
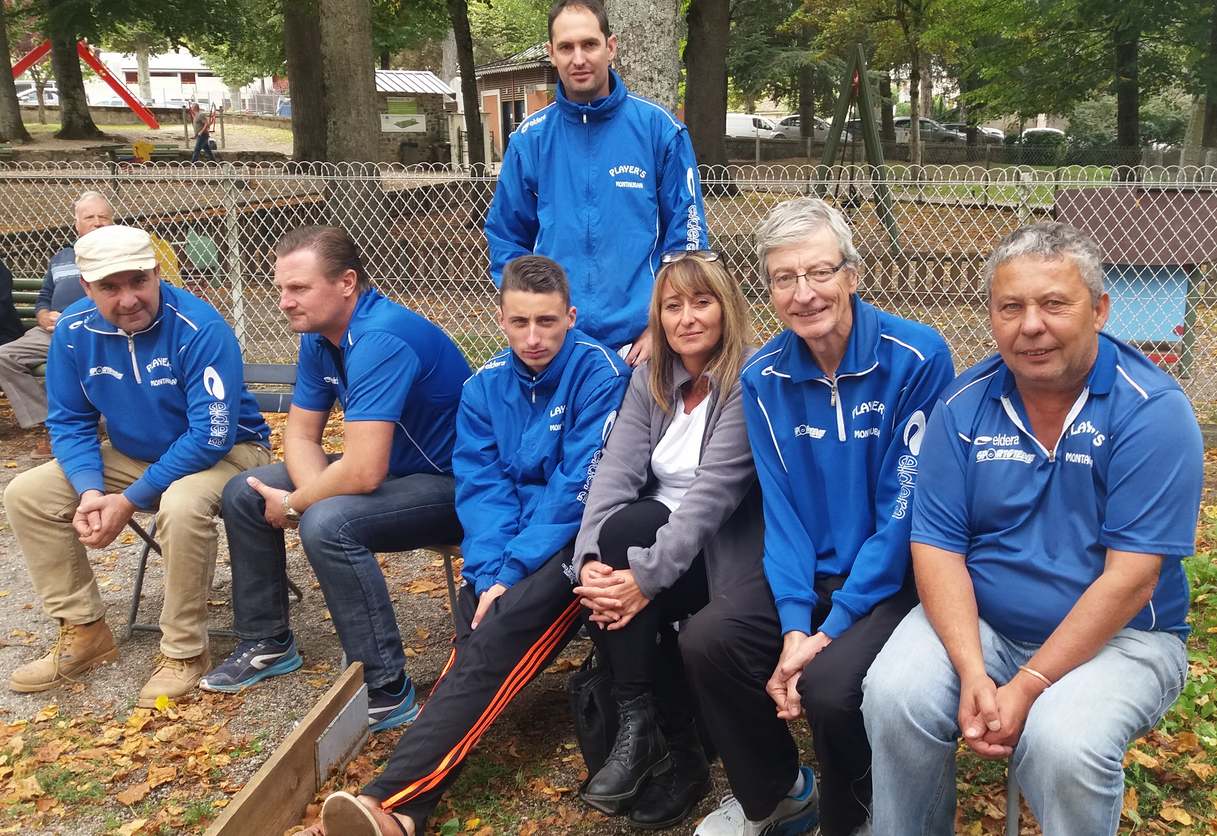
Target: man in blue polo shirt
398, 379
1059, 491
835, 407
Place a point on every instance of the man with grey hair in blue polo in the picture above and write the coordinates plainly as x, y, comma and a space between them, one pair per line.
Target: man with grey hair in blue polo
1060, 485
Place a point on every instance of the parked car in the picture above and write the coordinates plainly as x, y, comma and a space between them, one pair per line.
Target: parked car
749, 126
790, 125
1042, 136
931, 131
50, 97
983, 134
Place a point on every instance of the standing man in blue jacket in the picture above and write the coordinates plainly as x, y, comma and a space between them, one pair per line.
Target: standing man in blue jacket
398, 380
528, 437
164, 370
602, 181
1059, 496
61, 287
835, 405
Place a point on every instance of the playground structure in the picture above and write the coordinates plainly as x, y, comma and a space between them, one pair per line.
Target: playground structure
82, 49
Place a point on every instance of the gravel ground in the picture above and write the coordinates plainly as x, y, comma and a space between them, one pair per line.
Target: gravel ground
525, 768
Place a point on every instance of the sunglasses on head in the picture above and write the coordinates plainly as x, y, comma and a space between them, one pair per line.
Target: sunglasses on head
673, 256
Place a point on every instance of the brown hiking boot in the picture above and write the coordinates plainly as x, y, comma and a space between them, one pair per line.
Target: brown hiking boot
174, 678
79, 648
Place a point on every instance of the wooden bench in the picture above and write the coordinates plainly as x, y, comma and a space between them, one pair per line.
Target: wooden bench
161, 152
25, 294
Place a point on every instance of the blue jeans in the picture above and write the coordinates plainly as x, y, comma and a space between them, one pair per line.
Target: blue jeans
1069, 759
340, 536
202, 145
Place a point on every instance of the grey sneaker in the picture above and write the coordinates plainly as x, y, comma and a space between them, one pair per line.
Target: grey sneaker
793, 816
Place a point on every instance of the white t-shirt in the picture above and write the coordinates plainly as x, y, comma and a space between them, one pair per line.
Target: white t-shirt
675, 458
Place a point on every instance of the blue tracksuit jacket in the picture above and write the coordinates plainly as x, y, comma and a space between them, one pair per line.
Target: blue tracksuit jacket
526, 450
173, 394
837, 461
604, 189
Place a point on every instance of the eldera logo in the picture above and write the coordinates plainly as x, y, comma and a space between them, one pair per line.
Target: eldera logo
806, 430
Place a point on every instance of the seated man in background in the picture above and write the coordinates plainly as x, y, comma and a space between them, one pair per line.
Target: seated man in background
398, 379
835, 407
1059, 492
61, 287
10, 321
529, 432
164, 370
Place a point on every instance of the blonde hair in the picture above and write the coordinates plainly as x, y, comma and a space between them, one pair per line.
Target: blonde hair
689, 276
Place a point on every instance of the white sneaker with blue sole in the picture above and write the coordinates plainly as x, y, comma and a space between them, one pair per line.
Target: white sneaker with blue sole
794, 815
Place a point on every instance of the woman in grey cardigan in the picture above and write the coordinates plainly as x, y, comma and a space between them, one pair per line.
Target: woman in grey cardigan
673, 519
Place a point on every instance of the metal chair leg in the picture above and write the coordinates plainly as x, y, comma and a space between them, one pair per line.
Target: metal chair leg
150, 545
1012, 796
447, 553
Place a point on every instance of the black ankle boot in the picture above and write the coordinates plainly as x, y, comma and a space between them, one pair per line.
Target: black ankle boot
670, 798
639, 751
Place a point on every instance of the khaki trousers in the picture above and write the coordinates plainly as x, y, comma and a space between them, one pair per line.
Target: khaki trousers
40, 505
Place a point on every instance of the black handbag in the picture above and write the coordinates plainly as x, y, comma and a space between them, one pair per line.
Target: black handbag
591, 703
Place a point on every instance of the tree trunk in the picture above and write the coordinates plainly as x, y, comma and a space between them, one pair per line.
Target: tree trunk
234, 99
648, 47
706, 61
471, 100
807, 101
1209, 139
927, 85
145, 75
448, 68
12, 129
302, 45
1128, 99
74, 119
352, 126
887, 109
915, 109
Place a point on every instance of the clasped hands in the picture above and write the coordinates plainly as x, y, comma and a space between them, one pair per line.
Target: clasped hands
991, 718
100, 517
611, 594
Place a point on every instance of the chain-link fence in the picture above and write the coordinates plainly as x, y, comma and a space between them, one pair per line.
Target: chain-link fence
923, 236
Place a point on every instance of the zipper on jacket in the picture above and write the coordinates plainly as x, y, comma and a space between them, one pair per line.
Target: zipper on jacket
835, 400
134, 362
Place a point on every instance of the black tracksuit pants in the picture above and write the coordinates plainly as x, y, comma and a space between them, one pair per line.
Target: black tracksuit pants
730, 650
527, 626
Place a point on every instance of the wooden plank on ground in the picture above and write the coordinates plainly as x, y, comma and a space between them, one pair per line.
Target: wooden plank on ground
275, 798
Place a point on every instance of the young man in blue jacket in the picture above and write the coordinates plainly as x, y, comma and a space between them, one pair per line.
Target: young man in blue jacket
398, 379
164, 370
602, 181
835, 407
61, 286
1059, 495
529, 432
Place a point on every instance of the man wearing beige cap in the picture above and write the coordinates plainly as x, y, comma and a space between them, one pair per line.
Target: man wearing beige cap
164, 371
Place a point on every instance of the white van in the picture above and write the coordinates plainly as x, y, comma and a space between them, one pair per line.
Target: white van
749, 126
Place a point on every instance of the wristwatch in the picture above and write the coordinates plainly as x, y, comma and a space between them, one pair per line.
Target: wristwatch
289, 512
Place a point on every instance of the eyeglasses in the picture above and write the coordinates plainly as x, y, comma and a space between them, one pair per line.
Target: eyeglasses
821, 275
673, 256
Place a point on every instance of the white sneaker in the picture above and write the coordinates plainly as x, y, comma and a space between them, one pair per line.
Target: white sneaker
792, 817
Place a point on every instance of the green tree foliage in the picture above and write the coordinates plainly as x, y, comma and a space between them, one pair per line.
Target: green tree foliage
504, 27
399, 25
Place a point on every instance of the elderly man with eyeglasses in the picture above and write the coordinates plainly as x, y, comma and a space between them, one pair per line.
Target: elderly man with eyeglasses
835, 407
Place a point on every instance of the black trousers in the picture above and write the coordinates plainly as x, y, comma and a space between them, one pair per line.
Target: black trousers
527, 626
730, 650
646, 646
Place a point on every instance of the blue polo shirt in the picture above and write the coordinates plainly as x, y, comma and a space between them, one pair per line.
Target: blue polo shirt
1035, 521
393, 365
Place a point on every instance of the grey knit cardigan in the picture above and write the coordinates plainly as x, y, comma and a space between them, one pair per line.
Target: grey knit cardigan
720, 515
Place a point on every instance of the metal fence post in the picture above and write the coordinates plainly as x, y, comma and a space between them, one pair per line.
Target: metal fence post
232, 238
